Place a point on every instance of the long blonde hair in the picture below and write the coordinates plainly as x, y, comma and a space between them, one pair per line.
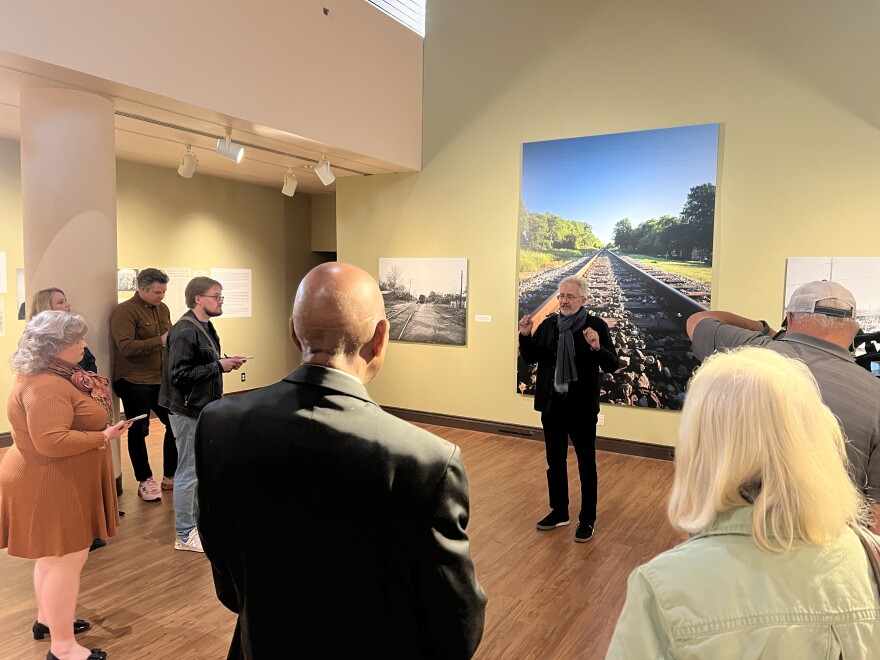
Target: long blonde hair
754, 430
42, 301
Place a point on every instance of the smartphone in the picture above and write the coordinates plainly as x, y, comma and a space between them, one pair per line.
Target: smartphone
134, 419
248, 357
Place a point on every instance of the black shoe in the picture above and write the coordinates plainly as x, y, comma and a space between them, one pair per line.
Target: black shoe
96, 654
583, 533
97, 543
40, 630
553, 520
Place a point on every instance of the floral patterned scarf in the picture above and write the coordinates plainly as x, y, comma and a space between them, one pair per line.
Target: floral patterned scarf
85, 381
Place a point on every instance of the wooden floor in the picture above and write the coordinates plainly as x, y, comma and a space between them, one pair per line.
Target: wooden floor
548, 596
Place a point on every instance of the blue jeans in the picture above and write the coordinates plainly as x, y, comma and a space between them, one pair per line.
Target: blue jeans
186, 503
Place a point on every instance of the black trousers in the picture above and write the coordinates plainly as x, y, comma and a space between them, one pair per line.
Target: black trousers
575, 419
138, 399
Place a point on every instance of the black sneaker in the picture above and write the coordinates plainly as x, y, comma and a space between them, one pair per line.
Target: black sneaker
553, 520
583, 533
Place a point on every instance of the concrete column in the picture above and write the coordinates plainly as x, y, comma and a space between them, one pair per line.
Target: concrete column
68, 182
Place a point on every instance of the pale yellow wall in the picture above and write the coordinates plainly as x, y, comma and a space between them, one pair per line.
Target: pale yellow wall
799, 168
324, 223
167, 221
203, 223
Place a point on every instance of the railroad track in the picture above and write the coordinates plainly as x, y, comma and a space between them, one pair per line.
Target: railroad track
415, 308
646, 314
394, 315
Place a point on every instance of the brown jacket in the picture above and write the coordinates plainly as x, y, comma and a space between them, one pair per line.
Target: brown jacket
136, 329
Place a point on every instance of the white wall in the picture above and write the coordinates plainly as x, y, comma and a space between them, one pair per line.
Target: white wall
352, 78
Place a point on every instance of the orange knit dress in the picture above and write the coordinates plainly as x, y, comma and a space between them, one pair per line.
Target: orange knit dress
57, 487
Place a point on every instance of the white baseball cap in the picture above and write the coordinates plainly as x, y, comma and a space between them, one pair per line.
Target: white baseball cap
823, 297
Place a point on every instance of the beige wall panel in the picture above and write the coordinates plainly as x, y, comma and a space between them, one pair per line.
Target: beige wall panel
352, 78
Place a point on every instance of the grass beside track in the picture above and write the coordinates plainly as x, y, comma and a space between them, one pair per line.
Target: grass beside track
694, 270
532, 262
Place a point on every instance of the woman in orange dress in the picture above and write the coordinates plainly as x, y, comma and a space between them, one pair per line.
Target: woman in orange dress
43, 301
57, 487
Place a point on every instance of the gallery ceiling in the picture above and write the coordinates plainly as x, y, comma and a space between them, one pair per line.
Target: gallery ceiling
155, 130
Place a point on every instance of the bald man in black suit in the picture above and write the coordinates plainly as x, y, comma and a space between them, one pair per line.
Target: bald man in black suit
334, 529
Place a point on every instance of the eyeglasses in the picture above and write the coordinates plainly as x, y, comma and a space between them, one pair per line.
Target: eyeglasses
216, 297
567, 296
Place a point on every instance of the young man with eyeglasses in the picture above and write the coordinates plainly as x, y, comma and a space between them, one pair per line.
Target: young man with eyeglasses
570, 348
192, 377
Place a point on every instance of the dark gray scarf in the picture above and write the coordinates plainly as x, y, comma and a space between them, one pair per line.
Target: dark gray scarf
566, 371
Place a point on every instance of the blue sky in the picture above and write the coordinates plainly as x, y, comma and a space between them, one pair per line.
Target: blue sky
603, 178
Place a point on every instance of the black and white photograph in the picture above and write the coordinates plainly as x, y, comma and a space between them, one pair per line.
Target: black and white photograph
634, 214
126, 279
425, 299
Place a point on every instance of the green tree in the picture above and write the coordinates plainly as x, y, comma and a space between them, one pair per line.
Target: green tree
623, 235
698, 216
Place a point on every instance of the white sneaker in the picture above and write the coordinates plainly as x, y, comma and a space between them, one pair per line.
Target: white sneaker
192, 543
149, 491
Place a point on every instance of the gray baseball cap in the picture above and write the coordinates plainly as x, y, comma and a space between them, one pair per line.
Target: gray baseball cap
823, 297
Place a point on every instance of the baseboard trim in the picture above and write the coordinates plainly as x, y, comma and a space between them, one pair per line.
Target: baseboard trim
630, 447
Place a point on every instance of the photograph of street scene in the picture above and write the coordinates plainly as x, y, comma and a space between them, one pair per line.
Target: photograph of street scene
634, 214
425, 299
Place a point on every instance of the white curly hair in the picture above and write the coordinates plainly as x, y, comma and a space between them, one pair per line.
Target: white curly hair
44, 336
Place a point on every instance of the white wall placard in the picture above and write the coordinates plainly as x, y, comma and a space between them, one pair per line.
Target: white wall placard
178, 278
236, 291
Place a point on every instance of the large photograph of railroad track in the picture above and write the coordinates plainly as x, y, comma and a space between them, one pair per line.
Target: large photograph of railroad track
633, 214
425, 299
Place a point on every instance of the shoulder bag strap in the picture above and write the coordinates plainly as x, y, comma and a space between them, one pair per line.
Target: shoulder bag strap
872, 548
204, 332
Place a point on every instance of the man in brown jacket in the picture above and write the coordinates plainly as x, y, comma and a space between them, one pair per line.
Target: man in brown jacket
139, 327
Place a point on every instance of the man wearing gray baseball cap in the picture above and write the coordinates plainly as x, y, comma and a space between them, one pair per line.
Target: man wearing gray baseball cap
821, 326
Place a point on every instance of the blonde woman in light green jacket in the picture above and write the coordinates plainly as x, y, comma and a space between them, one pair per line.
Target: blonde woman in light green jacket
773, 569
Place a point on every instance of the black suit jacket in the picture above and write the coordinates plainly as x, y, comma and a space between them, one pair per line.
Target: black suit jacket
334, 529
541, 347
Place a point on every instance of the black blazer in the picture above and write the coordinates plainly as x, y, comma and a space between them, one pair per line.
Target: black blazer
541, 347
334, 529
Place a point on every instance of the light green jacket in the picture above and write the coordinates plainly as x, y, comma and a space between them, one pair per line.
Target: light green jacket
719, 596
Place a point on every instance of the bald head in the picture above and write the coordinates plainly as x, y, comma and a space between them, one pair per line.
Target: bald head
339, 319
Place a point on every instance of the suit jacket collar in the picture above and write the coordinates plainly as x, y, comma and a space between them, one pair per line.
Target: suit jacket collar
318, 376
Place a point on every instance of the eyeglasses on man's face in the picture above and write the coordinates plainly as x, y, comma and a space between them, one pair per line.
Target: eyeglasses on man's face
216, 297
568, 296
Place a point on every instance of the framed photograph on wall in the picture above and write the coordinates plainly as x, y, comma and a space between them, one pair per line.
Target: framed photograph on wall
634, 214
425, 299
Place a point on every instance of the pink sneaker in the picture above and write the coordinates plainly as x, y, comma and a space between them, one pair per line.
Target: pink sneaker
149, 491
167, 483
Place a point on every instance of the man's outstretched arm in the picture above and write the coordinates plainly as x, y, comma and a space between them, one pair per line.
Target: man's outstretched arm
728, 318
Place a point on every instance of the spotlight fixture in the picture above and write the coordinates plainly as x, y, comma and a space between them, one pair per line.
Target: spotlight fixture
229, 149
322, 169
188, 163
289, 183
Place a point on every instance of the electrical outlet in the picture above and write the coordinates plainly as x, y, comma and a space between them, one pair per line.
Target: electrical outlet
600, 419
243, 376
